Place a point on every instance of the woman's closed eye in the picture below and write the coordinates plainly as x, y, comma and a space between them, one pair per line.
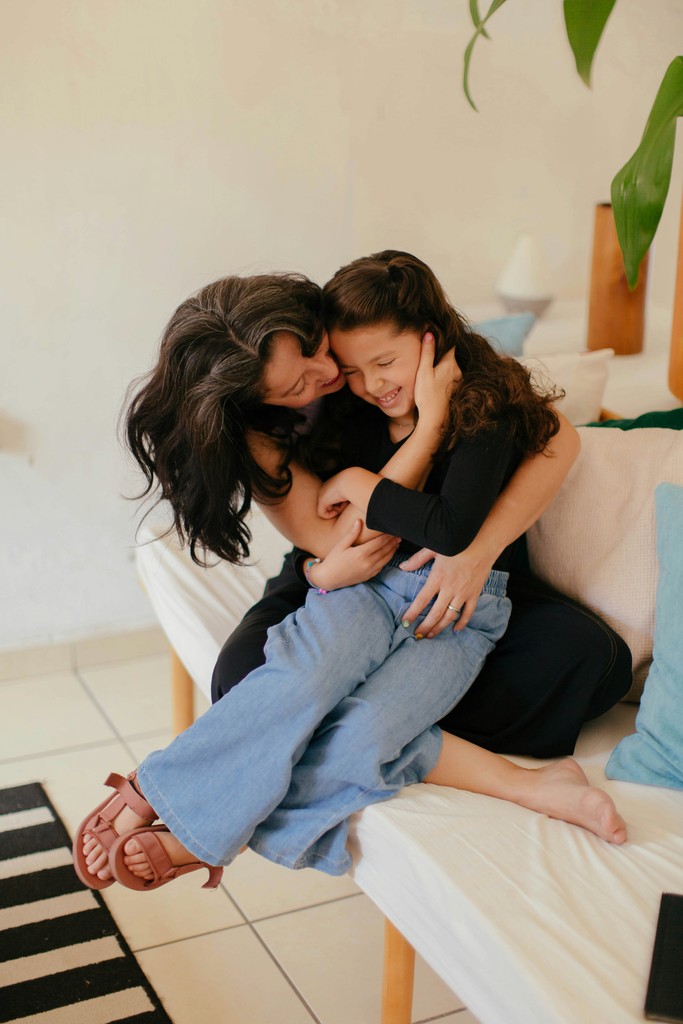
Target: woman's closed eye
388, 363
300, 390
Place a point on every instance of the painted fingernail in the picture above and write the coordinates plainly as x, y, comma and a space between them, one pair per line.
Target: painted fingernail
419, 636
405, 624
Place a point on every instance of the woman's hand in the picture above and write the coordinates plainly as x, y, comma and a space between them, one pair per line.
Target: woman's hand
455, 580
349, 563
434, 384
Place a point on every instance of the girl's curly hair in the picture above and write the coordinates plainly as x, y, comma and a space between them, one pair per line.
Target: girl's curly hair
397, 288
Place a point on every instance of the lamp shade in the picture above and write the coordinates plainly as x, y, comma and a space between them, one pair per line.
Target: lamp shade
524, 283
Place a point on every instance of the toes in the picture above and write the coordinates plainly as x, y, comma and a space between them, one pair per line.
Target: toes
132, 847
99, 866
136, 860
96, 860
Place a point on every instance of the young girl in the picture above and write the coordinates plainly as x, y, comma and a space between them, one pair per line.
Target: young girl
342, 713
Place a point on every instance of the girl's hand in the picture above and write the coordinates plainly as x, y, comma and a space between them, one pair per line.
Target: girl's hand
331, 498
434, 384
457, 580
346, 564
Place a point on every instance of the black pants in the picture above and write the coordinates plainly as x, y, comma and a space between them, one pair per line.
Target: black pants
557, 666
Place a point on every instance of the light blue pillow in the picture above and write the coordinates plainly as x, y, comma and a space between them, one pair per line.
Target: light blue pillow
507, 333
653, 755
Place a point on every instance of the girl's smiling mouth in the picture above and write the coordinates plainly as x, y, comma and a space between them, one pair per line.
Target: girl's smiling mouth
389, 398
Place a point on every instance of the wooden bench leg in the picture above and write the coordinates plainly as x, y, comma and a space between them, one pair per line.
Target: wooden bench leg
397, 981
182, 695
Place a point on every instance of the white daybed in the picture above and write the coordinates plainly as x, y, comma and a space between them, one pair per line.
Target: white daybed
529, 920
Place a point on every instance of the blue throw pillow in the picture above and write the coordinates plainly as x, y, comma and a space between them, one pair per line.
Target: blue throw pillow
507, 333
653, 755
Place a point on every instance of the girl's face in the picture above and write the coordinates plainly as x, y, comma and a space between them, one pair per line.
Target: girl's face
380, 365
293, 379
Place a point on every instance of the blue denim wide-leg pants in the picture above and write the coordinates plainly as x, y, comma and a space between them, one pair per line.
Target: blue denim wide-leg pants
340, 716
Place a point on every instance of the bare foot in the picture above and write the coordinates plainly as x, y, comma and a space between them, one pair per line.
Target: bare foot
97, 858
136, 861
562, 791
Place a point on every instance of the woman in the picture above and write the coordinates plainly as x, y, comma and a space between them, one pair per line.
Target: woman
334, 726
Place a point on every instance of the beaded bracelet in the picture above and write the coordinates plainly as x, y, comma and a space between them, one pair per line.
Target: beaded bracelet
308, 565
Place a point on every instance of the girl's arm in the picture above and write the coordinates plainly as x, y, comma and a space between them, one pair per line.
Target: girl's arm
518, 506
468, 518
446, 521
296, 515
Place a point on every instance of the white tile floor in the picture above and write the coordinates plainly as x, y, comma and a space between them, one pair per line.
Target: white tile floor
271, 946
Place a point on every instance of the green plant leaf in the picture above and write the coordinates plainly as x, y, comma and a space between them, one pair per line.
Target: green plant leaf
476, 18
640, 188
585, 22
480, 31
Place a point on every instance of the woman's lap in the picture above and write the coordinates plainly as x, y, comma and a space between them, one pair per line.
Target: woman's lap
243, 651
557, 666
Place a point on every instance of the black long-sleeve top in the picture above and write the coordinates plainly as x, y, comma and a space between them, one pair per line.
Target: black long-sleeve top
457, 497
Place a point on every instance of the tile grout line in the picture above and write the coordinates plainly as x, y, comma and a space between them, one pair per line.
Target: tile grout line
284, 974
58, 751
440, 1016
265, 946
185, 938
123, 740
218, 931
295, 910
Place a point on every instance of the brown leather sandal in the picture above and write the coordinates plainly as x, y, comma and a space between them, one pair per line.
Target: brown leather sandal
159, 861
98, 824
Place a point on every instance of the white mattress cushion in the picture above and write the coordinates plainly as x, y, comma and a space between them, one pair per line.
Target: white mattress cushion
530, 920
198, 608
596, 541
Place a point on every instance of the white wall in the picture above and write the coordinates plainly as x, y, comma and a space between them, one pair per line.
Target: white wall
150, 146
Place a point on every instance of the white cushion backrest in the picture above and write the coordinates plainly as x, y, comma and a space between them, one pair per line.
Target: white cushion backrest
596, 541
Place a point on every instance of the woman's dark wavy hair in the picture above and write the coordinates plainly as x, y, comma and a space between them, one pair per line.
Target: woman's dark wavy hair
396, 288
186, 422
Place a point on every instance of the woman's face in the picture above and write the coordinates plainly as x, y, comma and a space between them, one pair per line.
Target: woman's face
380, 365
293, 379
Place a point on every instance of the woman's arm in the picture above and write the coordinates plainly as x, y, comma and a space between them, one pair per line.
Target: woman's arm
448, 521
458, 579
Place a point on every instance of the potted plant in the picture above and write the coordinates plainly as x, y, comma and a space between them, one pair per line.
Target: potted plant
640, 187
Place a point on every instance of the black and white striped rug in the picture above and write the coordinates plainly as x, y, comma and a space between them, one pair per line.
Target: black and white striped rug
62, 958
